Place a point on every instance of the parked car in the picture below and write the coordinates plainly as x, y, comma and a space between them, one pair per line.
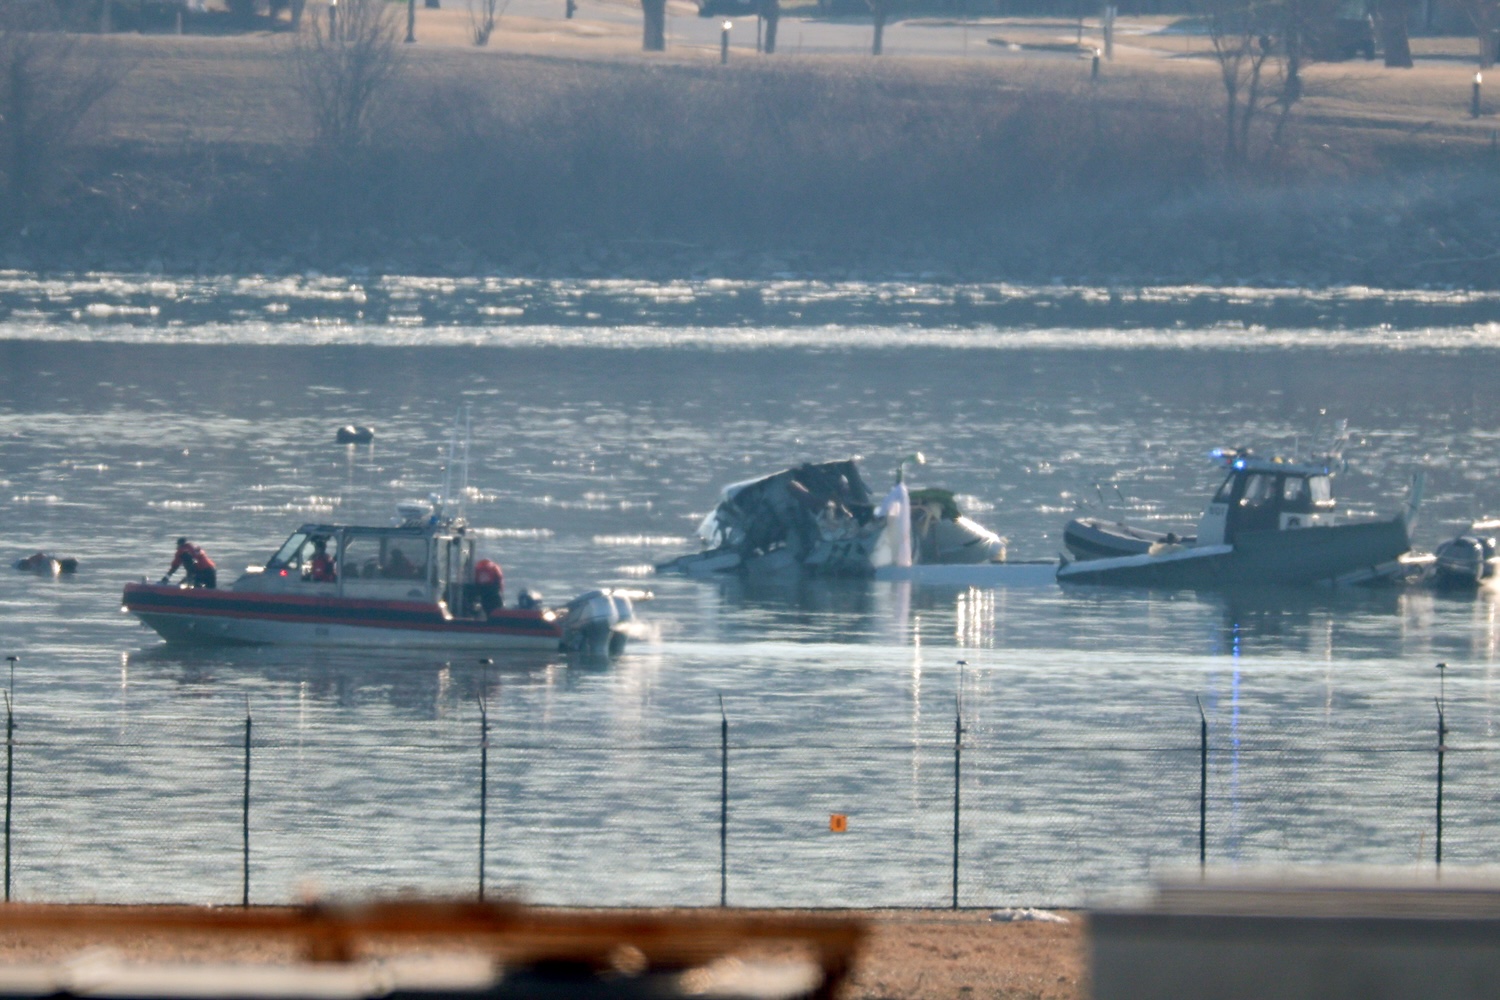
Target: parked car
726, 8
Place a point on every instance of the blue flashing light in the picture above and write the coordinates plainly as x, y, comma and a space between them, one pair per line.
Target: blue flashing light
1239, 463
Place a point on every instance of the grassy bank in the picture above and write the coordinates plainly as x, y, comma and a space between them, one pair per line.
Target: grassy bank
607, 162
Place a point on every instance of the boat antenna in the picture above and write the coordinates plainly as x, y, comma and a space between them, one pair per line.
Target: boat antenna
1335, 454
442, 503
915, 458
463, 482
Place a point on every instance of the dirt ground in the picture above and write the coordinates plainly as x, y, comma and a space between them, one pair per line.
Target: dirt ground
910, 954
926, 955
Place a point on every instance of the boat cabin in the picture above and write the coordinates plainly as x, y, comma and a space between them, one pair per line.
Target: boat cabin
1264, 494
415, 561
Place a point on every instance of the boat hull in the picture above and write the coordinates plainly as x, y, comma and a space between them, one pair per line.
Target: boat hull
991, 574
1294, 557
228, 617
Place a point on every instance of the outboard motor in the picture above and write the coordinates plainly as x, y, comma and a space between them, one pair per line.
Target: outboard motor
1461, 562
590, 623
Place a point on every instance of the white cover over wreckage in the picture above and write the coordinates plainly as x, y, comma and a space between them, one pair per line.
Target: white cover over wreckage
894, 545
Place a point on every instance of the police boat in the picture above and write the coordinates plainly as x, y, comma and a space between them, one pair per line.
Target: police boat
1270, 523
414, 583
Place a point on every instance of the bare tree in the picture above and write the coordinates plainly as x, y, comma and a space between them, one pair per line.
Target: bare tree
880, 10
483, 15
1244, 48
1391, 16
49, 82
342, 71
1486, 17
770, 10
654, 14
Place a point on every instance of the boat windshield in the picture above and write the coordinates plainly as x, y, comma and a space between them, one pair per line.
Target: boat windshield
1225, 489
1322, 489
1258, 489
288, 554
385, 556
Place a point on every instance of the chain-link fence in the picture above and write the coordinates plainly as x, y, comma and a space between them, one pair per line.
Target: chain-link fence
232, 810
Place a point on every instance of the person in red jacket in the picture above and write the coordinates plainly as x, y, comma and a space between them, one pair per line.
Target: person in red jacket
321, 570
489, 584
198, 570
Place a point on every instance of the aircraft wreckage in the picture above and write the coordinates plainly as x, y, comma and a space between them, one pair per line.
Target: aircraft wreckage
820, 518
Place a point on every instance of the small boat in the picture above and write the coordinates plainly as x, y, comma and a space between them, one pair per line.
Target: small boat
413, 583
820, 518
1096, 538
1270, 523
1469, 559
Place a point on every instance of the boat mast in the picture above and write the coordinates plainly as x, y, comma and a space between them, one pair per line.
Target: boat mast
442, 498
463, 485
457, 455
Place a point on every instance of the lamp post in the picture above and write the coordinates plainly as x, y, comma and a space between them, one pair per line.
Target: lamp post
411, 21
1474, 100
1094, 69
724, 42
333, 19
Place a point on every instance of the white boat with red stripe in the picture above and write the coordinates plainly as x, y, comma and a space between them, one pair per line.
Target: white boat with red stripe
413, 583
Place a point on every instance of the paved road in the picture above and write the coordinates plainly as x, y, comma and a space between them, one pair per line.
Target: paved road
919, 37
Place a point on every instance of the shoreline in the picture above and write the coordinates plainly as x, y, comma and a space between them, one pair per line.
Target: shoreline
606, 164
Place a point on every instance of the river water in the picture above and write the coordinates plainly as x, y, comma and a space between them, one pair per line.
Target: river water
606, 416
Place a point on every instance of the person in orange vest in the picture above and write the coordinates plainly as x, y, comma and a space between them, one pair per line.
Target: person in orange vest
321, 570
489, 584
197, 569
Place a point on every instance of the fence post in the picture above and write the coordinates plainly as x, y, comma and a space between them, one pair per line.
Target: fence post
1442, 735
723, 804
958, 737
10, 750
245, 815
1202, 786
484, 785
484, 768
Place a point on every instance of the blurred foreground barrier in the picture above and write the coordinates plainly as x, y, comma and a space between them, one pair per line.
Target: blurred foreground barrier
1309, 935
502, 951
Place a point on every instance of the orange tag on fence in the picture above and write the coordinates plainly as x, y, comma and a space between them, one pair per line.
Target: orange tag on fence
838, 823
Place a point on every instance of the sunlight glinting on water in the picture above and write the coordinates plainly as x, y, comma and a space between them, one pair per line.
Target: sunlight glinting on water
208, 407
415, 333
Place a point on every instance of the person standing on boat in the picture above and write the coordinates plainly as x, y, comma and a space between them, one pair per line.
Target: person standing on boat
489, 584
321, 569
198, 570
398, 567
